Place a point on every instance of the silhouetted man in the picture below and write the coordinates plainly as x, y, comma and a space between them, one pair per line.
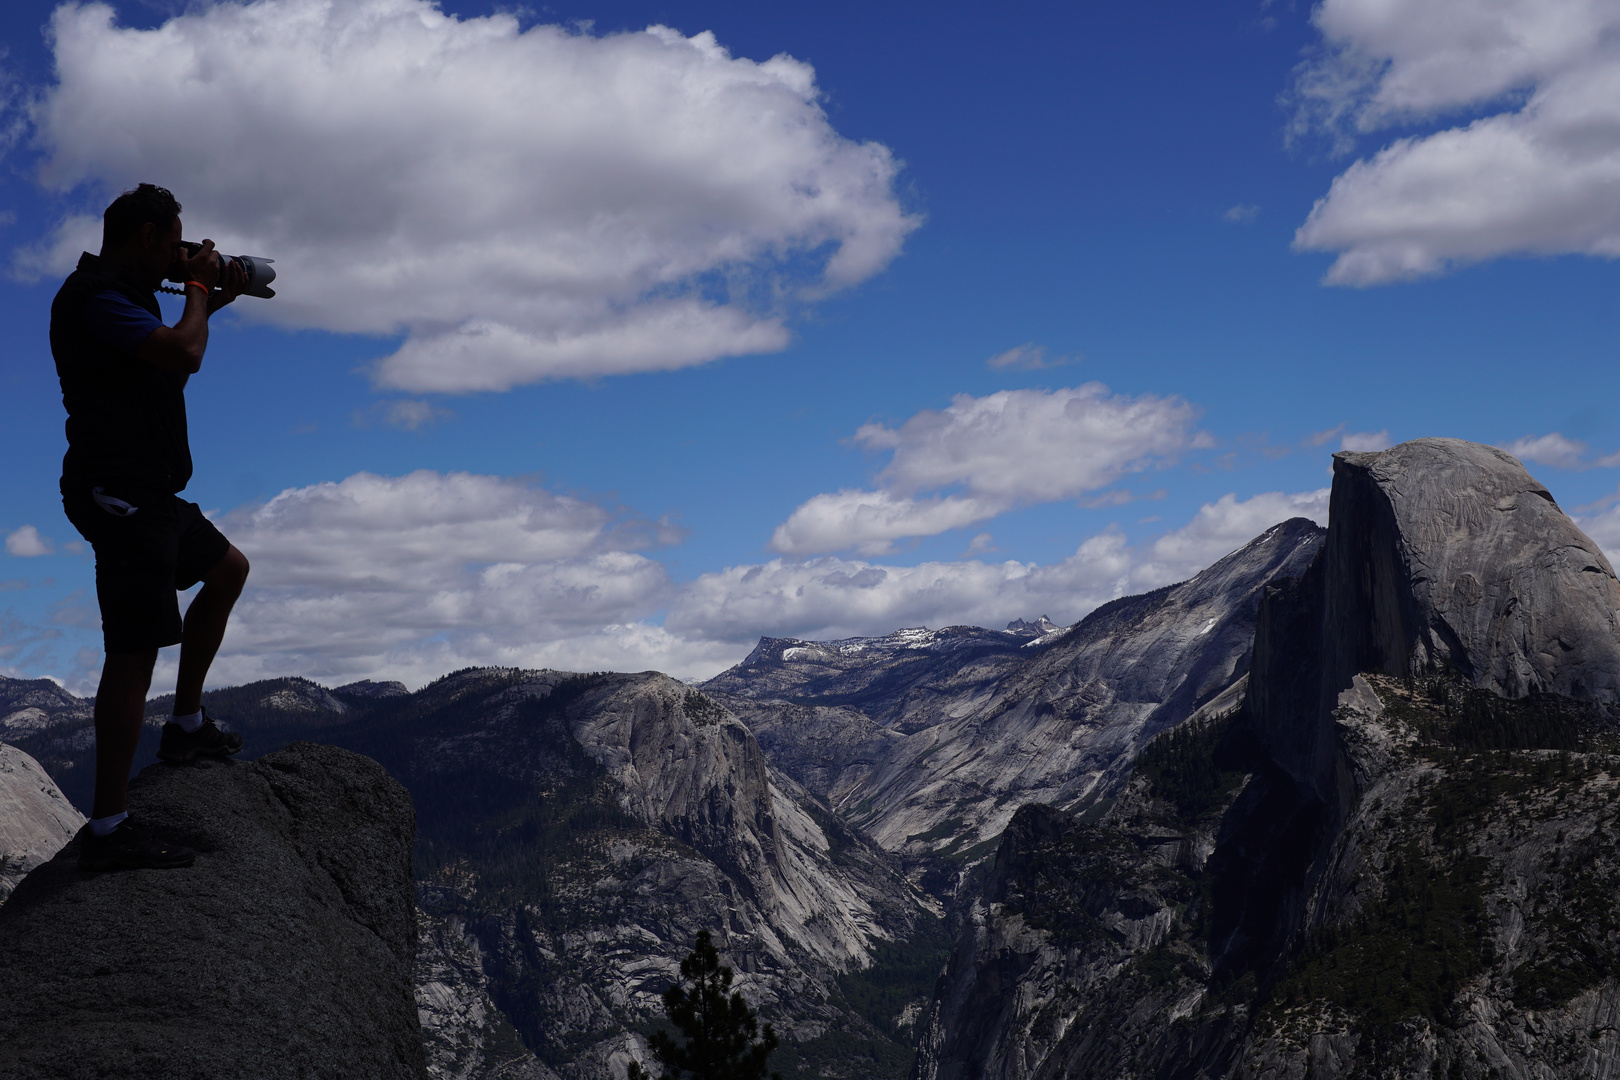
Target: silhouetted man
123, 376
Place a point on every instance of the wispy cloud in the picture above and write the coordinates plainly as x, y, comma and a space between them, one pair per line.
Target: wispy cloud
1320, 438
982, 544
1028, 357
1553, 449
1366, 441
407, 414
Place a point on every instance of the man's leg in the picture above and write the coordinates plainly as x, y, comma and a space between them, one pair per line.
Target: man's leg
206, 618
120, 707
122, 844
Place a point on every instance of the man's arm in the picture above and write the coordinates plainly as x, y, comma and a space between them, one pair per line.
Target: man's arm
179, 348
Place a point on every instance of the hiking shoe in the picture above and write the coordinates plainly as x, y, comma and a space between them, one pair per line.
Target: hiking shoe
209, 740
130, 847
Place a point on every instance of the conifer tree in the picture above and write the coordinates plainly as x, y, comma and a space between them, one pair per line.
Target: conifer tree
720, 1031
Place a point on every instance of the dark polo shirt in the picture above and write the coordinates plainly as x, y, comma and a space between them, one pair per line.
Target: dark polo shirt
126, 425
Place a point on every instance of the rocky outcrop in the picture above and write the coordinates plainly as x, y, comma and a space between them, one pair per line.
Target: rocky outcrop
1443, 554
35, 819
286, 950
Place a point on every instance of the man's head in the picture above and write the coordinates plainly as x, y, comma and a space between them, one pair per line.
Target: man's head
141, 232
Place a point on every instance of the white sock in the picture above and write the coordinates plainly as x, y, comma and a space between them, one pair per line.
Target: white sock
101, 826
191, 721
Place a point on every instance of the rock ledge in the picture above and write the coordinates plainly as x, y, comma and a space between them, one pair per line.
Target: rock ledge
286, 950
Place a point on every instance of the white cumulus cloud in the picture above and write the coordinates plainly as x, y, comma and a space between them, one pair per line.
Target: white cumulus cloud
375, 574
1366, 441
871, 521
1553, 449
26, 543
1010, 448
408, 577
520, 204
831, 598
1538, 174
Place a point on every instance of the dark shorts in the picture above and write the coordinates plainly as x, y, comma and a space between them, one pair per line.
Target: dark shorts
142, 559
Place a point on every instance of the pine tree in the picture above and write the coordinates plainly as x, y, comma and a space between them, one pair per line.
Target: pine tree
720, 1031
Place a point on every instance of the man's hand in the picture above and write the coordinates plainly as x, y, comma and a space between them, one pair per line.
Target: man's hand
202, 267
234, 284
179, 348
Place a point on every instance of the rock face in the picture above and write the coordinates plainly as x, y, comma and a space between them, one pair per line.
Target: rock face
464, 1032
967, 729
286, 950
1443, 553
578, 831
36, 820
1086, 954
908, 680
1463, 923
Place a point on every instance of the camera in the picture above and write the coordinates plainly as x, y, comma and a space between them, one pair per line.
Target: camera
256, 268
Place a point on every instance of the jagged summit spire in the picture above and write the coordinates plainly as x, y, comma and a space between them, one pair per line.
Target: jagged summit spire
1042, 625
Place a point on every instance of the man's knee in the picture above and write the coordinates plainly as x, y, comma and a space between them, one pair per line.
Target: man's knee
230, 572
126, 673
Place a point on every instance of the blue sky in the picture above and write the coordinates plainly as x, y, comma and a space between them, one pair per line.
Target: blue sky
607, 348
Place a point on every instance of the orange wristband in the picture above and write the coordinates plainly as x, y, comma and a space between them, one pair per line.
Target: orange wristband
200, 285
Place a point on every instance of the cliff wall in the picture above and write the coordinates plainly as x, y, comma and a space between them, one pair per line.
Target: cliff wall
1441, 554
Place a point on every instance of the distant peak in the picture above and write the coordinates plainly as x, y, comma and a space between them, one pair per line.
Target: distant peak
368, 689
1042, 625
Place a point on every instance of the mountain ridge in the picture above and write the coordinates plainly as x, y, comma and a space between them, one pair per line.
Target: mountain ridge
1392, 855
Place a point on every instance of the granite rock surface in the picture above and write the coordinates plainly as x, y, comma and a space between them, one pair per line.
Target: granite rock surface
285, 950
1462, 923
36, 820
1472, 565
578, 832
1443, 554
968, 727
